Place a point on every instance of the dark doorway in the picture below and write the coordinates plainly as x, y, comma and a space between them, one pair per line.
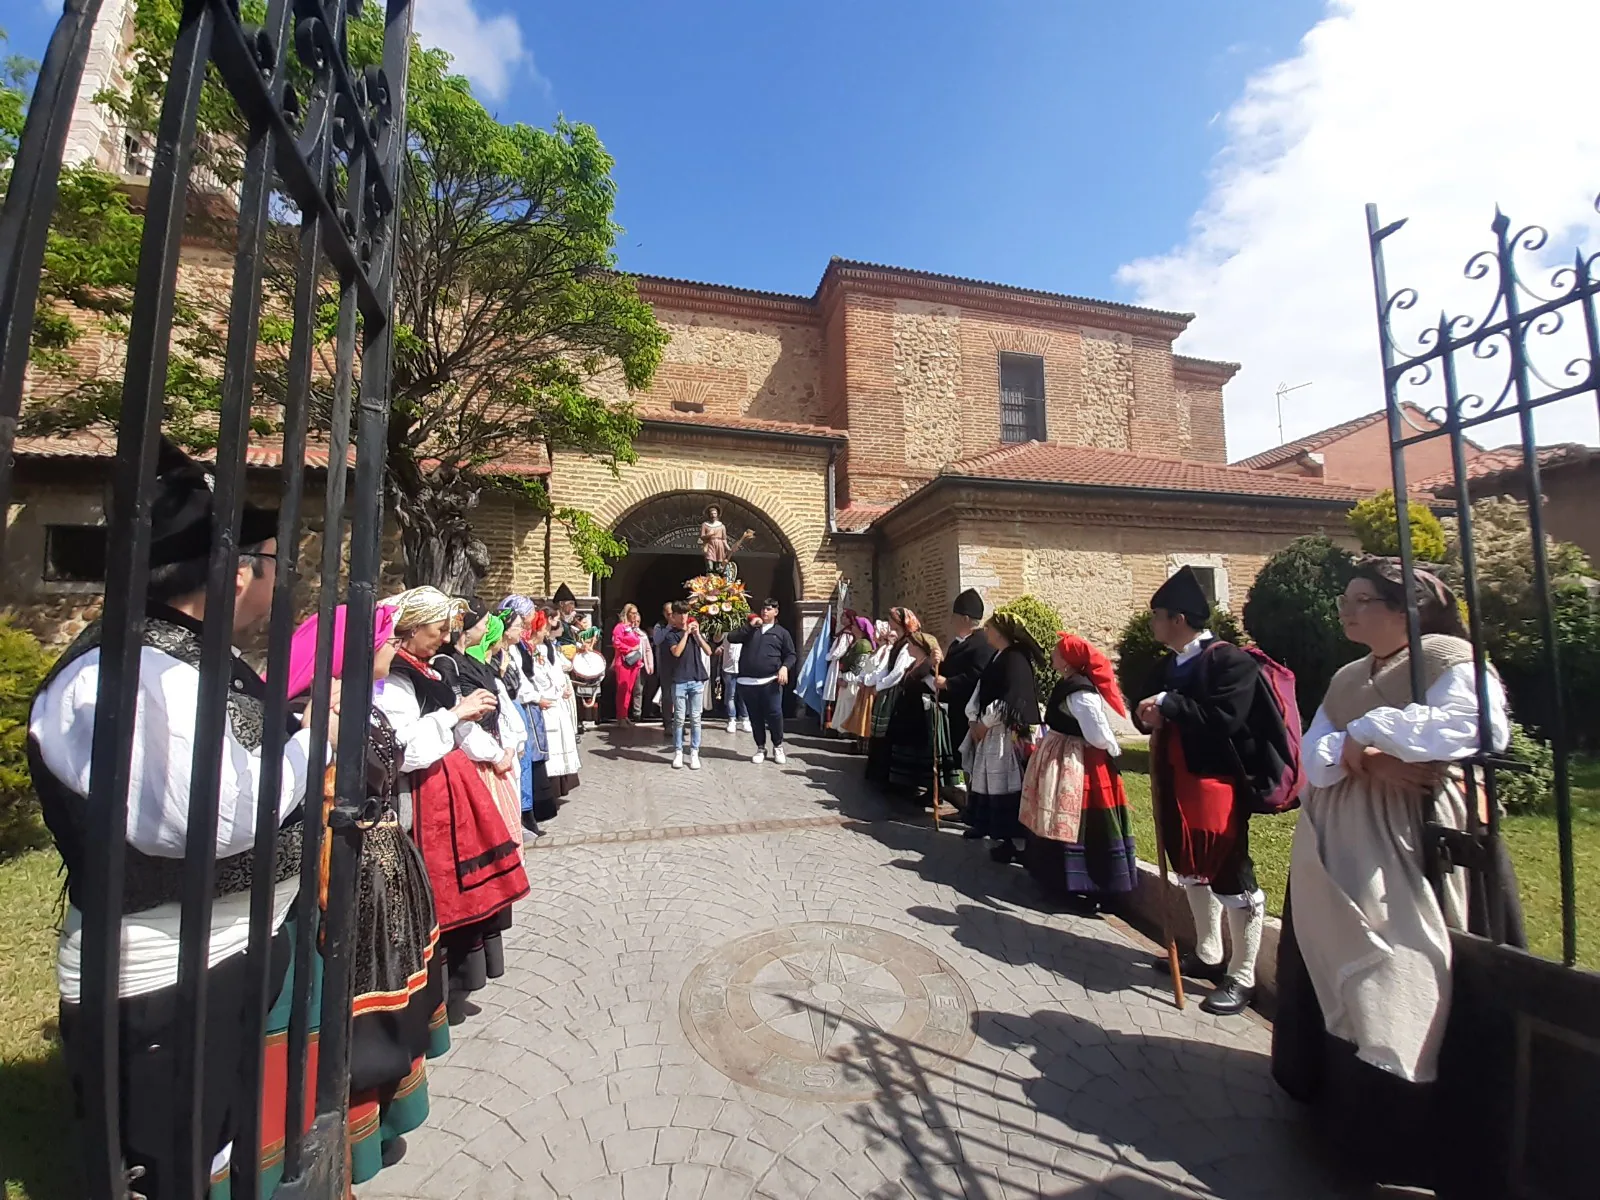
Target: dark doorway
663, 537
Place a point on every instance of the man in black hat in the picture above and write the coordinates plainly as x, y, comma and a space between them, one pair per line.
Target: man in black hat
1200, 705
60, 740
969, 653
566, 616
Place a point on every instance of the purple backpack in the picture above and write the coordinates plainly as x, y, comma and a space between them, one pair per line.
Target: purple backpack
1276, 788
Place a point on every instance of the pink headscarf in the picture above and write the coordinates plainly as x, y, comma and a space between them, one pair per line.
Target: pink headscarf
303, 649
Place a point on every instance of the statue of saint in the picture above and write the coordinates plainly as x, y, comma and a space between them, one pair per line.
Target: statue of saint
713, 538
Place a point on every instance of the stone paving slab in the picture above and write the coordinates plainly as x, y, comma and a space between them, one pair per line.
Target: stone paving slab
1077, 1079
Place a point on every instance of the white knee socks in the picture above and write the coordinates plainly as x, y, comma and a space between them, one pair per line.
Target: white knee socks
1244, 930
1207, 910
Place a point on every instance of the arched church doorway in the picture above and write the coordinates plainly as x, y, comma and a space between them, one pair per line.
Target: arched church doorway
663, 536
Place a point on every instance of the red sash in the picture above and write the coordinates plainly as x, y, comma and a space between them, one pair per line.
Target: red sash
1206, 816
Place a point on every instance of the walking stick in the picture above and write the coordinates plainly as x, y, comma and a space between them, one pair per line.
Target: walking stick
935, 761
1161, 862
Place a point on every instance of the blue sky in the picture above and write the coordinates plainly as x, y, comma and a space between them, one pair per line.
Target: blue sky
1206, 157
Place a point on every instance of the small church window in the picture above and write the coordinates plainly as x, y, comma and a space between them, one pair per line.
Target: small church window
75, 553
1021, 398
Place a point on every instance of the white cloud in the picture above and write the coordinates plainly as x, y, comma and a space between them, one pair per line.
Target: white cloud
1434, 109
487, 49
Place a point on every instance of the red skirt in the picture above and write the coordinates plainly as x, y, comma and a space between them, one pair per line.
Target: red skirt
473, 861
1201, 817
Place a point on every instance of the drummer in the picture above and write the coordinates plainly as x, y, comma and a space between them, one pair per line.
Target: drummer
588, 670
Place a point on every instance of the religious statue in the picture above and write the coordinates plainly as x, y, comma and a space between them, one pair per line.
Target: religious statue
714, 544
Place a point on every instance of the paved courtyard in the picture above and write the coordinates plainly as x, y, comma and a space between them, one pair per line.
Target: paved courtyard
758, 981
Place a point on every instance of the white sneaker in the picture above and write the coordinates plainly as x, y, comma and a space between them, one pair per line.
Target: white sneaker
778, 755
733, 725
745, 725
694, 760
759, 756
677, 760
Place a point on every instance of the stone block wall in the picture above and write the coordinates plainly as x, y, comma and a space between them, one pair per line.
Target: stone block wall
920, 574
739, 367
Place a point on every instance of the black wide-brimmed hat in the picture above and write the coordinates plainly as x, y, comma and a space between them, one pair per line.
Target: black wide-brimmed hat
182, 508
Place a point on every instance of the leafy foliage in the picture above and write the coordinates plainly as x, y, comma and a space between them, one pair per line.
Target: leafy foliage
23, 665
1044, 623
514, 330
1533, 791
1376, 524
1138, 652
1292, 614
596, 547
1508, 607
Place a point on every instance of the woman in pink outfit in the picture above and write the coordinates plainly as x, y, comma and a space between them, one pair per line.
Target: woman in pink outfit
629, 654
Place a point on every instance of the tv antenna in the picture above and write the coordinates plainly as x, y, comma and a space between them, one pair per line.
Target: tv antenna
1283, 390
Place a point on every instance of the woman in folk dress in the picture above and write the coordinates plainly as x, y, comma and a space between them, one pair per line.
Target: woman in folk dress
1073, 805
1004, 716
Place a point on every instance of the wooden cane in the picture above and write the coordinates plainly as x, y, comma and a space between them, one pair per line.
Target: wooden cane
935, 761
1161, 862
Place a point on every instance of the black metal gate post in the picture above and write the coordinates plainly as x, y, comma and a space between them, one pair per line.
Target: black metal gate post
340, 170
1520, 1072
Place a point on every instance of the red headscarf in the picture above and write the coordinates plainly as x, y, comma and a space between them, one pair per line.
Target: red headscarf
1084, 659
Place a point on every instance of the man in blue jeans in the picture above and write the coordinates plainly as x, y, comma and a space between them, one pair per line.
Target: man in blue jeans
687, 663
765, 664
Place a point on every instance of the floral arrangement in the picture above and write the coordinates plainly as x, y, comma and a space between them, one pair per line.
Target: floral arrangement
718, 604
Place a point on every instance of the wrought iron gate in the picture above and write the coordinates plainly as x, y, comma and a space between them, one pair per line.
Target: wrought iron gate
1520, 1073
334, 148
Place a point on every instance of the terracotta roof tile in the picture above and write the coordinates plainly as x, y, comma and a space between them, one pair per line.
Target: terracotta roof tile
262, 452
1496, 464
856, 518
1090, 466
743, 424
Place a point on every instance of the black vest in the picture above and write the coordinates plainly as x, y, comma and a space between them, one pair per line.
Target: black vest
148, 880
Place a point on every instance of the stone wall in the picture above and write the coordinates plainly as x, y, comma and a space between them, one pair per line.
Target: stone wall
920, 573
1106, 412
739, 366
927, 380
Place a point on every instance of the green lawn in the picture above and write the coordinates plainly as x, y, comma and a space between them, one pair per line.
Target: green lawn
1531, 840
35, 1108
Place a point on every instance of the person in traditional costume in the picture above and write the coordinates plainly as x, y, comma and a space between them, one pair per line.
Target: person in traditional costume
552, 692
398, 976
1199, 707
1080, 841
566, 623
964, 661
839, 650
1002, 723
1364, 961
863, 641
853, 715
919, 731
465, 666
884, 680
537, 750
61, 725
628, 654
474, 861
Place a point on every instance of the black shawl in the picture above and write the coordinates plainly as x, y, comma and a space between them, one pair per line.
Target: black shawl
1009, 679
466, 675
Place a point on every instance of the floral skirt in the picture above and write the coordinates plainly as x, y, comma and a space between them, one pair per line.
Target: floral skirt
1080, 834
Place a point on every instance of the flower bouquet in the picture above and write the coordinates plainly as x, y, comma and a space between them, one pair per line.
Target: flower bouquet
718, 604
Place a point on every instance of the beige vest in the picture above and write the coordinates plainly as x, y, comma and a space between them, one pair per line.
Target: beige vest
1357, 689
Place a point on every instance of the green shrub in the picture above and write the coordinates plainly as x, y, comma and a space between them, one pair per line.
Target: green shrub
1292, 613
1138, 652
1044, 623
23, 664
1532, 791
1376, 524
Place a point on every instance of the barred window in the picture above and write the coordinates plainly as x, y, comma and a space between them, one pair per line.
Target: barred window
1021, 398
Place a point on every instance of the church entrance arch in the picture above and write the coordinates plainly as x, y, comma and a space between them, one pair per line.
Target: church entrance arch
663, 536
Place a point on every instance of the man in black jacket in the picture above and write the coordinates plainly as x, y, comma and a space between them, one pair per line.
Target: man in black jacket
1201, 704
765, 664
969, 653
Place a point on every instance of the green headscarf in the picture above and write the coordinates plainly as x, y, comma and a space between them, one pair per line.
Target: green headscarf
492, 633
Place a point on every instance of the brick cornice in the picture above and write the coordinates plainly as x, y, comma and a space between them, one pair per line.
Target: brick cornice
685, 294
1202, 370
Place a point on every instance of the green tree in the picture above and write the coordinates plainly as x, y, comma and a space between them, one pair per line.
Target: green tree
514, 328
1376, 524
23, 664
1292, 614
1139, 654
1044, 623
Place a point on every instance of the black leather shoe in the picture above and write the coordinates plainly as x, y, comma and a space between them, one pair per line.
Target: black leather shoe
973, 832
1229, 998
1192, 967
1005, 852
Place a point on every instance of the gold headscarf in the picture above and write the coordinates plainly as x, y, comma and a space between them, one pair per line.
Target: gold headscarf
423, 606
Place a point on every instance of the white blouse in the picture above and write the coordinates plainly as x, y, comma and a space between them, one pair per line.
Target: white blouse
1441, 729
165, 712
1089, 710
887, 677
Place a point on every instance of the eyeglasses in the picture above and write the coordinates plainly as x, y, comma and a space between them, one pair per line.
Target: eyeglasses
1346, 603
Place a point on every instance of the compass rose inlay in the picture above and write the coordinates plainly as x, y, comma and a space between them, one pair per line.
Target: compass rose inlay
826, 1011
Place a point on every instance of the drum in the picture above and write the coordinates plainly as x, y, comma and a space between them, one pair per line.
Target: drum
588, 673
